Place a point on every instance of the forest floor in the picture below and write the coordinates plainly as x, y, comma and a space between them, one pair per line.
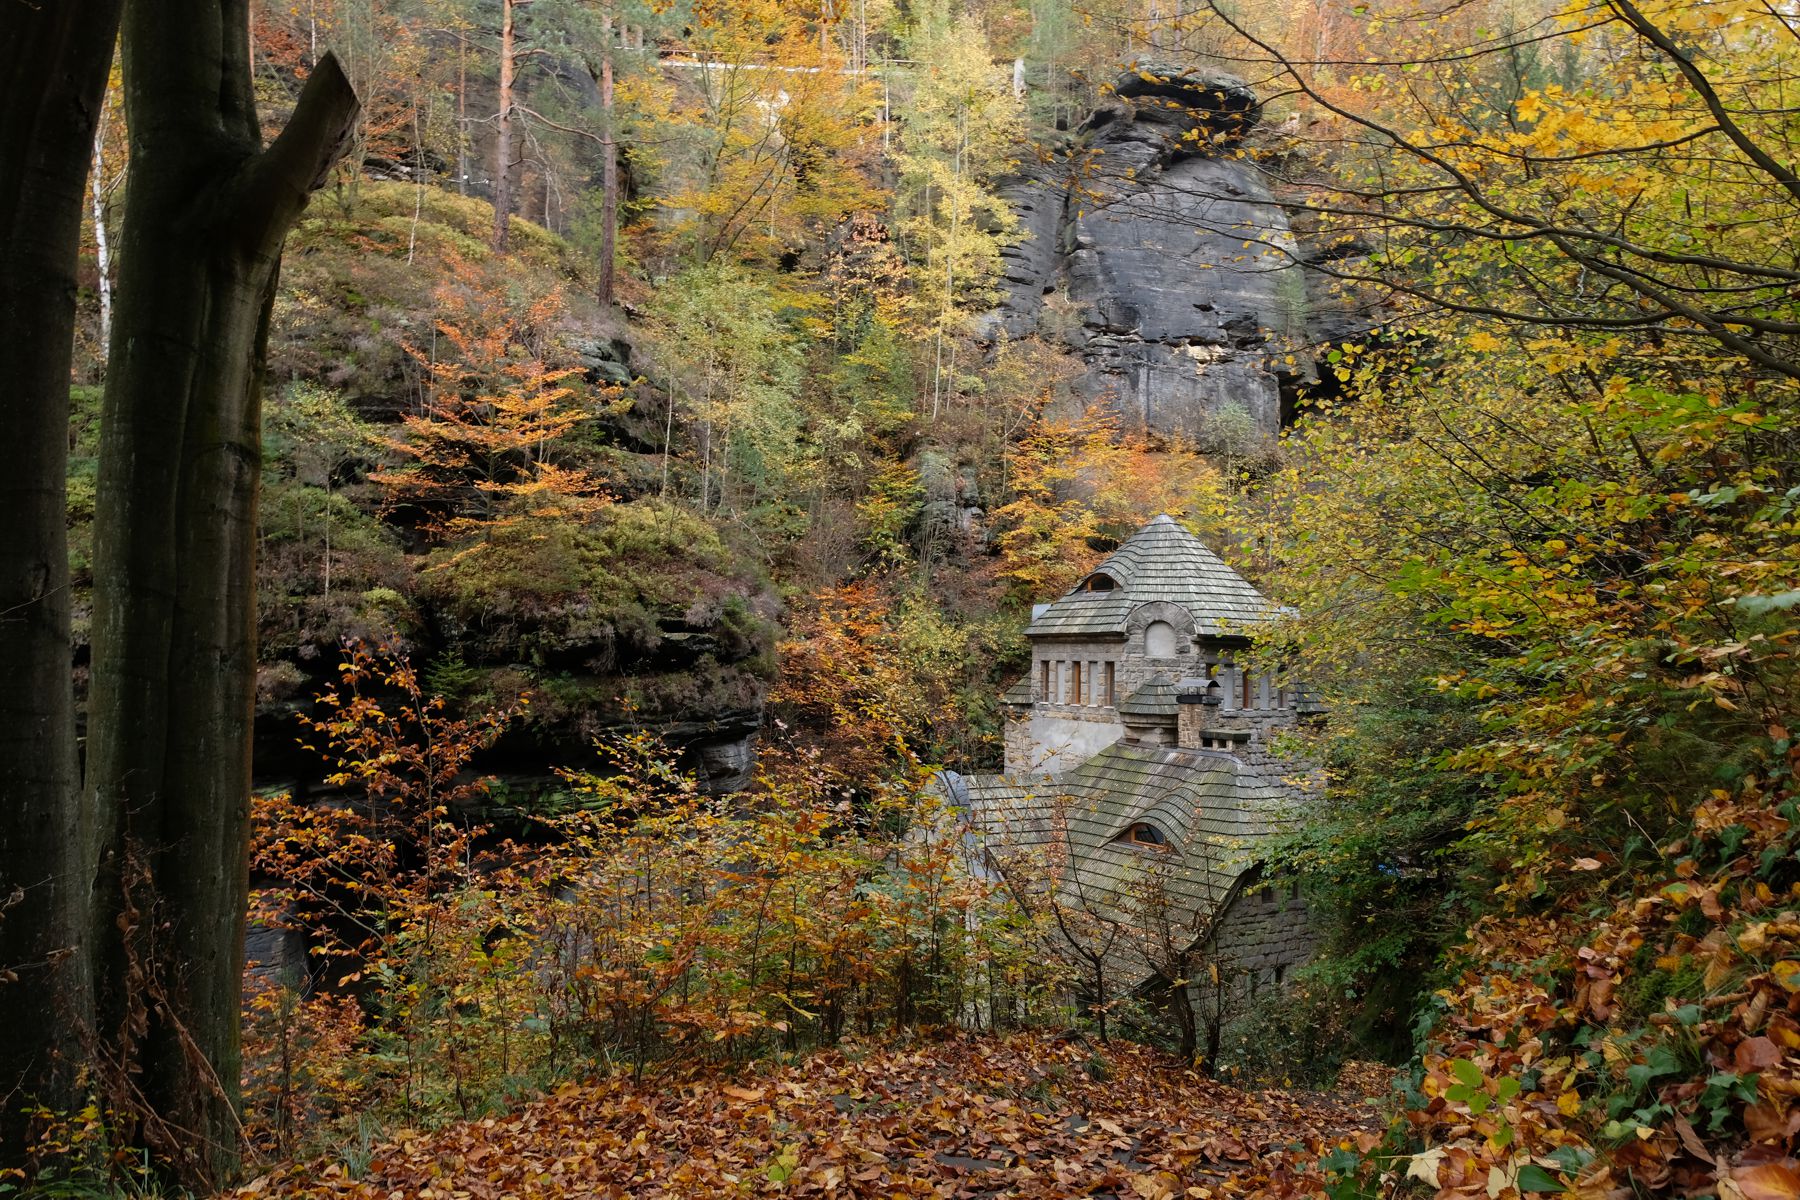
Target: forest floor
1028, 1116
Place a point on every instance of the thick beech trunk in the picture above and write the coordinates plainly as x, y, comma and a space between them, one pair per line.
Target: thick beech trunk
53, 64
174, 634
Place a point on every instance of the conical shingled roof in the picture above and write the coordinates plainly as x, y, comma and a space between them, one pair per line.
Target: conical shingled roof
1155, 701
1161, 561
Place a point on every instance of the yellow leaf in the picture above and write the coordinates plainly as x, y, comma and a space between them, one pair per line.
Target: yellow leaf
1424, 1166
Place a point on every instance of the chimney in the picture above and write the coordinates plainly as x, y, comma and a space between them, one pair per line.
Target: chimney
1197, 701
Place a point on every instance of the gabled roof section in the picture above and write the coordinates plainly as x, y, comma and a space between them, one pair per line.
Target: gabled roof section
1161, 561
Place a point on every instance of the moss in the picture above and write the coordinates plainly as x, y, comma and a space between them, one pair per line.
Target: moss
1647, 987
360, 289
642, 607
299, 607
590, 704
598, 598
385, 214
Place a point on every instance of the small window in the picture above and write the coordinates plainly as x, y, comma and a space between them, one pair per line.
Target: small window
1280, 974
1247, 701
1111, 683
1146, 834
1044, 681
1099, 582
1075, 682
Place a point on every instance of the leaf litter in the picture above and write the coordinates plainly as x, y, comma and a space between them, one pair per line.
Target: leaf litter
1024, 1115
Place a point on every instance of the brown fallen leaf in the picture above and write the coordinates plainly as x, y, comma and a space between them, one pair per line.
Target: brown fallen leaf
1755, 1054
1768, 1181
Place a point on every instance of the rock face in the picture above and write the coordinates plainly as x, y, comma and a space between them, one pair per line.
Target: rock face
1173, 270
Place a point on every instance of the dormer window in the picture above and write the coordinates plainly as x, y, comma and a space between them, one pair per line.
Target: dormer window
1147, 835
1100, 581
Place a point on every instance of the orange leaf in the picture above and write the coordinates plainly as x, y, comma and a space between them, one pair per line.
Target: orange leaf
1768, 1181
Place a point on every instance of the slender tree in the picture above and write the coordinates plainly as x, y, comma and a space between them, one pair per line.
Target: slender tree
53, 64
168, 768
503, 149
609, 168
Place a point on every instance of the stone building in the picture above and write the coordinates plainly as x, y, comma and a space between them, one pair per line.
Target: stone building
1141, 770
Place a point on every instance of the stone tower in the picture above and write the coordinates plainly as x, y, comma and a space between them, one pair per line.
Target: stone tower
1145, 648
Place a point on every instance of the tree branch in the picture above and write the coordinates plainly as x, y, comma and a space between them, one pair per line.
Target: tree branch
279, 180
1703, 87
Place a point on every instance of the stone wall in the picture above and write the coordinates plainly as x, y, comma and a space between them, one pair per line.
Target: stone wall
1055, 738
1259, 942
1055, 735
1091, 651
1141, 665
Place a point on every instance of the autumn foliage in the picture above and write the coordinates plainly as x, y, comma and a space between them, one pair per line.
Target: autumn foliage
1023, 1116
1567, 516
645, 923
482, 454
1079, 486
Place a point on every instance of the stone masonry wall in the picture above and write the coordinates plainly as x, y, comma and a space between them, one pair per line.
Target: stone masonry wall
1263, 930
1055, 735
1260, 941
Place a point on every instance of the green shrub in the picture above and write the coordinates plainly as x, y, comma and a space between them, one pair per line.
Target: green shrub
1299, 1036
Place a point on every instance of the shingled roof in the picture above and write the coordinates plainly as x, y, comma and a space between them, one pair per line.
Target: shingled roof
1209, 805
1019, 693
1155, 701
1161, 561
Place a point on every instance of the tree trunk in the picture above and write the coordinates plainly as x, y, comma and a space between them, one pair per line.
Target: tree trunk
1181, 1004
503, 131
53, 65
462, 114
609, 171
102, 251
174, 633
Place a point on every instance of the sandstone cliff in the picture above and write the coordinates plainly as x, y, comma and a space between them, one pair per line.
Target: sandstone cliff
1157, 252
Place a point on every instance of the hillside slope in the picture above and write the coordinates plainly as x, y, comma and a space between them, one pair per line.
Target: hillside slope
460, 465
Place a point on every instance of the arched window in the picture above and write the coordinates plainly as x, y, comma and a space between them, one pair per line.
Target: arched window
1159, 640
1100, 581
1145, 834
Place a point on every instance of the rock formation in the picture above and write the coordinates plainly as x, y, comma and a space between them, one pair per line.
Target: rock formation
1158, 253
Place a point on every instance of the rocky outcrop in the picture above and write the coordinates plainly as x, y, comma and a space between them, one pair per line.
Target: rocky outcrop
1157, 252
